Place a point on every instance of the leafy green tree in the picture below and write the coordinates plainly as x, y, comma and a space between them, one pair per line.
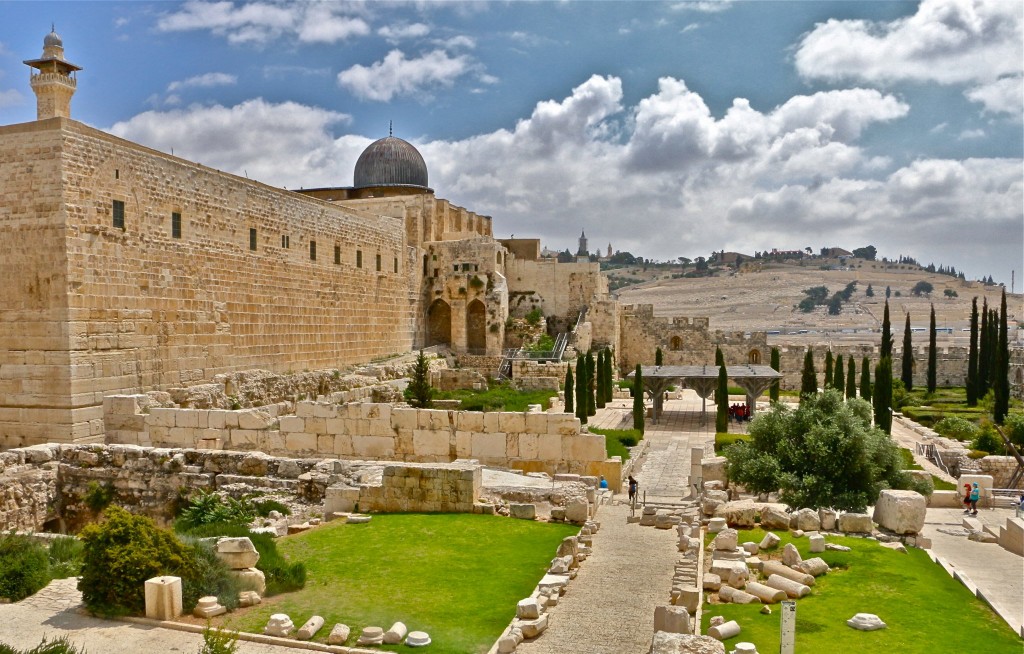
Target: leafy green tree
932, 355
817, 293
851, 379
773, 392
638, 400
827, 383
851, 463
570, 391
599, 388
867, 252
419, 393
659, 357
882, 394
808, 377
870, 292
1001, 384
722, 399
865, 380
908, 358
835, 305
591, 385
838, 380
922, 288
886, 346
581, 389
807, 305
971, 382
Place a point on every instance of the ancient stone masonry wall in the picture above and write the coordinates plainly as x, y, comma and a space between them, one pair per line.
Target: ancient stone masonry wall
538, 375
559, 290
434, 488
28, 488
148, 309
683, 341
1000, 467
549, 442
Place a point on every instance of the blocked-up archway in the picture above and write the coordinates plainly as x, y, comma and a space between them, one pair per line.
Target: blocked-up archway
754, 358
476, 327
439, 323
676, 343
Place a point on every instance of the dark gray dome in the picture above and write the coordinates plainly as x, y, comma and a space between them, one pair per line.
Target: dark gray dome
390, 161
52, 39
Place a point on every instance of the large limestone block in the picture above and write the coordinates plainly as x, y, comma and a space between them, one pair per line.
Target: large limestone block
339, 634
373, 447
775, 568
736, 596
793, 588
712, 500
163, 598
731, 572
769, 541
737, 514
713, 469
670, 643
828, 519
774, 517
766, 594
790, 555
237, 553
577, 510
900, 511
807, 520
431, 443
489, 446
252, 579
1011, 536
726, 540
814, 567
855, 523
673, 619
528, 609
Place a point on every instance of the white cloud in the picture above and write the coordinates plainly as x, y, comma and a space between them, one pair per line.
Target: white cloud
971, 134
401, 32
703, 6
262, 22
121, 22
945, 41
206, 80
11, 98
396, 75
1003, 96
689, 28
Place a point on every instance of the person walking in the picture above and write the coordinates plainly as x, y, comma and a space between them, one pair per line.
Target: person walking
633, 487
975, 495
967, 499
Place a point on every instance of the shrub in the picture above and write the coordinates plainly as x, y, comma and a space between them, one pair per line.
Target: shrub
533, 318
216, 641
922, 485
957, 427
1013, 427
24, 567
988, 440
208, 576
60, 646
281, 576
65, 556
120, 554
264, 507
98, 496
210, 508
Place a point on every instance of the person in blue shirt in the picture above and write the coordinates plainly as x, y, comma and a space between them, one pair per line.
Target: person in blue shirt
975, 494
604, 482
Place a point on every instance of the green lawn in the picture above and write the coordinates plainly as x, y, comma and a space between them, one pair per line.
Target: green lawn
497, 398
927, 612
723, 440
456, 576
617, 440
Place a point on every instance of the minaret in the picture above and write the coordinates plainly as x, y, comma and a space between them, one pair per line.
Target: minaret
55, 82
609, 250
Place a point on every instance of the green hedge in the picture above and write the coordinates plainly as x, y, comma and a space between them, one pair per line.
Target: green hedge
24, 567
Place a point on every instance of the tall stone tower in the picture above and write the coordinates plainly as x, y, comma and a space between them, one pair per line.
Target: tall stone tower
582, 251
55, 81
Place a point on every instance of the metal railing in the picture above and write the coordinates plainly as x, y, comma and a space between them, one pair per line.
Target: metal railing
930, 452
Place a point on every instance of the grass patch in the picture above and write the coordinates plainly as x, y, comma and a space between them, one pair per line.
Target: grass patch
617, 441
724, 440
942, 484
925, 609
908, 460
497, 398
456, 576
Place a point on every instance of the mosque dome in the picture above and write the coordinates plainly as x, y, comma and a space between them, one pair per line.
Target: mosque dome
390, 161
52, 40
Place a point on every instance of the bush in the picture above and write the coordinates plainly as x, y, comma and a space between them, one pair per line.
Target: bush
211, 508
65, 556
264, 507
208, 576
216, 641
24, 567
120, 554
988, 440
60, 646
956, 427
98, 496
533, 318
1013, 427
281, 576
922, 485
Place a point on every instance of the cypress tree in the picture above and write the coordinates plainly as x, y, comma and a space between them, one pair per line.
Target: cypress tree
719, 357
865, 379
581, 389
838, 380
609, 376
882, 395
983, 357
773, 392
932, 355
570, 391
658, 357
419, 393
908, 358
993, 345
1002, 369
827, 383
886, 348
722, 397
808, 378
851, 379
638, 400
599, 391
591, 395
972, 358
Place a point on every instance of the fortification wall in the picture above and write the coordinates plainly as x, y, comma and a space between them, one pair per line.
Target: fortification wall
549, 442
149, 310
559, 290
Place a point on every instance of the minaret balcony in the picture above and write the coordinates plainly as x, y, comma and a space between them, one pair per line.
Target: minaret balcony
38, 79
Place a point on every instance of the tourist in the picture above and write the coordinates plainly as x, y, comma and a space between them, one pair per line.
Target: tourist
967, 498
633, 487
604, 483
975, 494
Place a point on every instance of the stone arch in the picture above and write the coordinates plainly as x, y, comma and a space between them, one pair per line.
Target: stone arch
754, 357
439, 323
476, 326
676, 343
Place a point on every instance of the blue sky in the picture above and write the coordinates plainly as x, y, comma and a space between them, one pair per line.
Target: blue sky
664, 128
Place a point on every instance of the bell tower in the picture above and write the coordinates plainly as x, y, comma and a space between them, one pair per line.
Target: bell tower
53, 79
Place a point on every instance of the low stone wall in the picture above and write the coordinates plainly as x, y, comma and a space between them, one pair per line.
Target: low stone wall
457, 378
435, 488
1000, 468
537, 442
28, 489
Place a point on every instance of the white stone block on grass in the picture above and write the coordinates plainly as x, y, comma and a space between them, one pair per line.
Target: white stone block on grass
396, 634
900, 511
339, 634
163, 598
725, 631
309, 629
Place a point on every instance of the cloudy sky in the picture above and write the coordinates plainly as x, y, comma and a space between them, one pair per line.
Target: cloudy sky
664, 128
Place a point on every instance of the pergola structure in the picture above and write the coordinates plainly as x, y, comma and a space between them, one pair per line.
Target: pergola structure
703, 379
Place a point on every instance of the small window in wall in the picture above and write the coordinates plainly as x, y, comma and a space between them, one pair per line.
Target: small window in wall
433, 257
396, 264
359, 258
175, 225
286, 241
436, 271
378, 263
312, 250
337, 254
117, 173
497, 258
119, 214
455, 268
424, 265
252, 238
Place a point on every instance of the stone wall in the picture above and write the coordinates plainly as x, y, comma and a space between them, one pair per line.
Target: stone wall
549, 442
434, 488
683, 341
524, 370
559, 290
28, 489
1001, 468
93, 309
